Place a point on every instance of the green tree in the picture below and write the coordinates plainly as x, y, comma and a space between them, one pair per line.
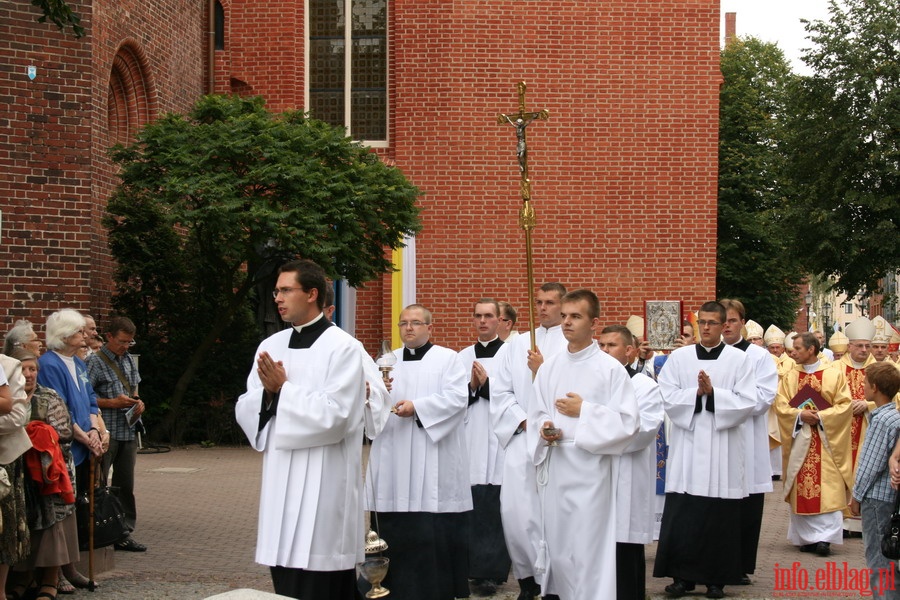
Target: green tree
60, 14
754, 262
844, 146
210, 203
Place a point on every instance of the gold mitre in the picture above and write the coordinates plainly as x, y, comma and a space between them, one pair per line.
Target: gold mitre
754, 330
838, 342
882, 331
773, 335
860, 329
635, 325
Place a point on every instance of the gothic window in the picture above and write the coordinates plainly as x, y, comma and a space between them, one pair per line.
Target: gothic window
348, 88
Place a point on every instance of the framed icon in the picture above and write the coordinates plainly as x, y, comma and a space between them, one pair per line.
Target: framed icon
662, 323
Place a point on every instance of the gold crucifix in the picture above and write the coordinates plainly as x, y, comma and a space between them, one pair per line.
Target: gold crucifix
527, 220
520, 121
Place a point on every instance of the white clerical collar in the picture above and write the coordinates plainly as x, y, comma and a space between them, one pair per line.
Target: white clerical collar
711, 348
299, 328
813, 367
489, 341
551, 328
857, 365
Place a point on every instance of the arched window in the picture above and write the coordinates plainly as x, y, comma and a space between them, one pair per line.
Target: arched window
129, 99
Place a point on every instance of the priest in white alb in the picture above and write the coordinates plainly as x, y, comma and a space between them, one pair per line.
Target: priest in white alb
488, 559
709, 391
418, 480
585, 405
303, 409
636, 492
511, 393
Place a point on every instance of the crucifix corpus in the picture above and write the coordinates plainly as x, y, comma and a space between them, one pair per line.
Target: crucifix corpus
527, 221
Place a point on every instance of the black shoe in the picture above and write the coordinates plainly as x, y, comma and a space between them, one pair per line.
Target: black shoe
776, 477
129, 545
714, 591
823, 548
550, 597
679, 588
483, 587
808, 548
745, 580
529, 589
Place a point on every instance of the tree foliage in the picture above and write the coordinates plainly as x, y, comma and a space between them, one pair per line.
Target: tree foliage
754, 261
60, 14
210, 203
844, 141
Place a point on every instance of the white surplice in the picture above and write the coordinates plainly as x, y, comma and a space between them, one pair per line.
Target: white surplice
485, 453
511, 393
420, 463
579, 477
310, 515
636, 494
756, 428
706, 449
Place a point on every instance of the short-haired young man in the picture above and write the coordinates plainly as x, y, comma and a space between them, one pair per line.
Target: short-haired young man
587, 396
873, 498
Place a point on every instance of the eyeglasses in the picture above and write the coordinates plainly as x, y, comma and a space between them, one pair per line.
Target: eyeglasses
710, 323
404, 324
284, 291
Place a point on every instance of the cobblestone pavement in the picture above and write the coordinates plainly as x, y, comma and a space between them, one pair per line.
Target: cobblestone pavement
197, 514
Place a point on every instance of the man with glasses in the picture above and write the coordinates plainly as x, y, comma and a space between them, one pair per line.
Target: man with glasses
303, 409
114, 376
709, 391
507, 330
418, 483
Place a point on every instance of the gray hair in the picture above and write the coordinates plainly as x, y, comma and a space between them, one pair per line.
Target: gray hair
18, 335
61, 325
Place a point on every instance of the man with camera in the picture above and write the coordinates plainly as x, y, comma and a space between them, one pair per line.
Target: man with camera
114, 376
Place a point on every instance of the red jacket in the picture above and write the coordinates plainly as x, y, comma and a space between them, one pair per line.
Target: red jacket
45, 462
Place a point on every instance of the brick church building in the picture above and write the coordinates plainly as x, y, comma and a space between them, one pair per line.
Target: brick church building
624, 170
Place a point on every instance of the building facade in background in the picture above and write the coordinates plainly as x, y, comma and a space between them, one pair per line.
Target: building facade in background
623, 172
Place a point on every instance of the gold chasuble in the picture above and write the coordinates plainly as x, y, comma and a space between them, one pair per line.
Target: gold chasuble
817, 461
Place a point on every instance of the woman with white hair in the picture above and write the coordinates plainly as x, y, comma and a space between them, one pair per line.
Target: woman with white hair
63, 371
22, 336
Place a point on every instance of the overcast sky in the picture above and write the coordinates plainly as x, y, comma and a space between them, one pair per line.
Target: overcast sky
777, 21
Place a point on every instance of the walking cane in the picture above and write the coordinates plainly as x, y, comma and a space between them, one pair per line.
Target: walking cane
90, 585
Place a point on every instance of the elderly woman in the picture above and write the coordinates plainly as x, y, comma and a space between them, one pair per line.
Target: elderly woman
61, 370
51, 516
14, 538
22, 335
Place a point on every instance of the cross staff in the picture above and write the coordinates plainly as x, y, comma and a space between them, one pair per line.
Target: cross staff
527, 220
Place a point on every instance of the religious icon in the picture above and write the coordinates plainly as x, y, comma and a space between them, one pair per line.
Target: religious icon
662, 323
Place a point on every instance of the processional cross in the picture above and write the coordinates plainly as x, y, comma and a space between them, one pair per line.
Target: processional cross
527, 220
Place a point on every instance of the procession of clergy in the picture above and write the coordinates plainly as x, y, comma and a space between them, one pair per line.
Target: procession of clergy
551, 462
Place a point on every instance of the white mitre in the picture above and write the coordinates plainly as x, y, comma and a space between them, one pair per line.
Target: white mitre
773, 335
860, 329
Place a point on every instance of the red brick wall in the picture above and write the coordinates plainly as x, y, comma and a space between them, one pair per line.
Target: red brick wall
45, 157
624, 172
54, 137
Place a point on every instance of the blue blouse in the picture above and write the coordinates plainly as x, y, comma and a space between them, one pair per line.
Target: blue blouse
80, 398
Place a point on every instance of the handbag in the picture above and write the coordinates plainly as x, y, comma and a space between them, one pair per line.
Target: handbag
890, 538
109, 518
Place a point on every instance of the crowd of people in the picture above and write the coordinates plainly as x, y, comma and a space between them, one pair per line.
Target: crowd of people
557, 455
60, 411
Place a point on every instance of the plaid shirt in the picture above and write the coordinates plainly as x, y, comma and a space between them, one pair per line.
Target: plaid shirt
873, 481
107, 385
